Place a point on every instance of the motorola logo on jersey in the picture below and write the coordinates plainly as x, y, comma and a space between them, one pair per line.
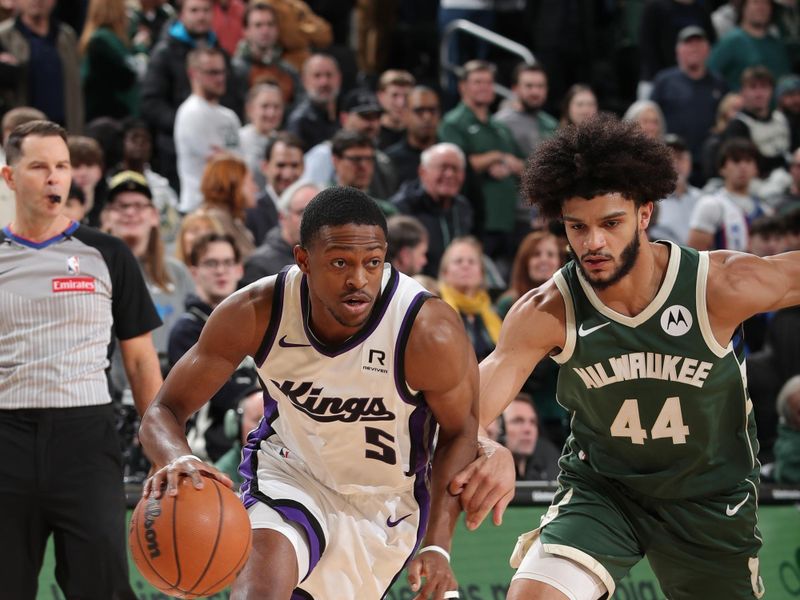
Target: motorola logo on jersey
676, 320
325, 409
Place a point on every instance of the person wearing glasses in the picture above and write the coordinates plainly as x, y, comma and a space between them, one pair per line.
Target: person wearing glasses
354, 165
215, 263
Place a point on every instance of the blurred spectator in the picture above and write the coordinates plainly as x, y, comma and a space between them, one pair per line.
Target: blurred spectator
492, 154
264, 108
537, 259
535, 457
300, 30
46, 51
725, 17
424, 113
238, 423
787, 95
75, 204
525, 118
227, 22
791, 198
13, 118
460, 48
109, 78
277, 251
281, 166
375, 24
729, 107
435, 200
766, 236
768, 129
662, 20
193, 227
258, 56
748, 45
147, 19
228, 190
203, 127
462, 286
137, 149
672, 214
88, 166
314, 120
407, 244
787, 27
166, 83
354, 160
787, 444
131, 216
393, 90
689, 94
578, 105
720, 221
648, 116
360, 113
216, 267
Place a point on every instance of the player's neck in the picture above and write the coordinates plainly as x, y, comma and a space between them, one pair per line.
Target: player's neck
634, 292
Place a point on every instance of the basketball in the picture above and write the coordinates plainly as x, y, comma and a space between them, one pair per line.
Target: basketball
191, 545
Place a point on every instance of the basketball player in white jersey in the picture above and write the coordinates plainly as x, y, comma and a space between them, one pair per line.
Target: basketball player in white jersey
358, 365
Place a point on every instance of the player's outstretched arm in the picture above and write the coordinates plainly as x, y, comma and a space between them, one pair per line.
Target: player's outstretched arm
741, 285
233, 332
441, 363
534, 327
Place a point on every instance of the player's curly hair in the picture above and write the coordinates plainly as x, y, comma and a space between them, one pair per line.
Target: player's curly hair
600, 156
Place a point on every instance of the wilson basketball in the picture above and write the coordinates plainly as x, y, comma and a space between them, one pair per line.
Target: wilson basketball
193, 544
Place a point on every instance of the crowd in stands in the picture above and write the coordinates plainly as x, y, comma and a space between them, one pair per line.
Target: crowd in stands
200, 130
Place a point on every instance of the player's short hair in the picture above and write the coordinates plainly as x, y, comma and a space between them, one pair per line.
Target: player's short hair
601, 156
287, 138
336, 206
404, 231
737, 149
41, 128
203, 242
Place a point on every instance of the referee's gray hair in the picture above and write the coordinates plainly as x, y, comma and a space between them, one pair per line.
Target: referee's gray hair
427, 154
791, 386
285, 199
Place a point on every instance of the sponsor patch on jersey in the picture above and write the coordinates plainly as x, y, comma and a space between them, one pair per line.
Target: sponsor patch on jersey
676, 320
73, 265
73, 284
374, 361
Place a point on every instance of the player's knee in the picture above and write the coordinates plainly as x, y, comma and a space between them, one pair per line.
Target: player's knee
545, 576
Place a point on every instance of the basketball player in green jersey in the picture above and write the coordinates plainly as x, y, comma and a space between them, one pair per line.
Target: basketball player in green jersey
661, 461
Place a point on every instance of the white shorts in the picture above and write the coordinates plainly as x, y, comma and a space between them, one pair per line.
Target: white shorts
357, 544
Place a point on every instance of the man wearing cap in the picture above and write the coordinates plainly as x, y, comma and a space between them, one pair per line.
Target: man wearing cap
63, 288
361, 113
748, 45
787, 95
688, 94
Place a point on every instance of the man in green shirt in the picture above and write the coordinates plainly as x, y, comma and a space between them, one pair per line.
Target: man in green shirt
492, 154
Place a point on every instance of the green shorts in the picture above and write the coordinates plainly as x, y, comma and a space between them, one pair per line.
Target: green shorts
698, 548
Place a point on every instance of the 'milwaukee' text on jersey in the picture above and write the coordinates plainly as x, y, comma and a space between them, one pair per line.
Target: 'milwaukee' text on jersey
656, 402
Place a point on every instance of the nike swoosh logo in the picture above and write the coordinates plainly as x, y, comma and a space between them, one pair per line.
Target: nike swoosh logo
284, 344
732, 511
584, 332
391, 523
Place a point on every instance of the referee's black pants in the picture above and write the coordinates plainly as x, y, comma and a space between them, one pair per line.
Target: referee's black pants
61, 474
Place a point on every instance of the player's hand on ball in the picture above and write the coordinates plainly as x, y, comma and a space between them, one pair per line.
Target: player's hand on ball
437, 574
486, 484
166, 478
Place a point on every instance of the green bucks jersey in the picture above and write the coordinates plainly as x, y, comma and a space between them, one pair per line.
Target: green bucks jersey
656, 402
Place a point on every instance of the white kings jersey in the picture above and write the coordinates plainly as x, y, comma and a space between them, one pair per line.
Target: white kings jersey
346, 410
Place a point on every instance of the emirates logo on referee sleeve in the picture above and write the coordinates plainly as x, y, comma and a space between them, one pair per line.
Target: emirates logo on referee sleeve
676, 320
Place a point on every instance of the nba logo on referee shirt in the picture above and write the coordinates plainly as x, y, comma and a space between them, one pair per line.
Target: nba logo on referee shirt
676, 320
73, 265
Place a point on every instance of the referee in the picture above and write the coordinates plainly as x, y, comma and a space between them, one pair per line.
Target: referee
63, 288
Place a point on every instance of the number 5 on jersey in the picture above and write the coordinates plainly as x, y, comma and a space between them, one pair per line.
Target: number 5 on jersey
669, 423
